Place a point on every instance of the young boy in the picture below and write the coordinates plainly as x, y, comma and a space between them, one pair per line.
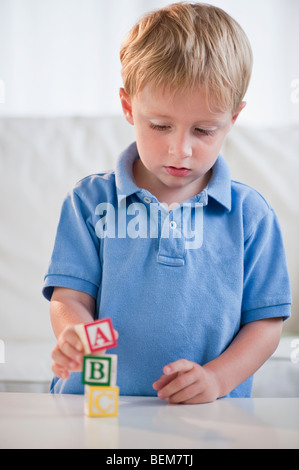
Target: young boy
188, 264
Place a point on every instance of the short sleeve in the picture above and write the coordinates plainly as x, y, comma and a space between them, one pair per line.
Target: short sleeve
266, 292
75, 262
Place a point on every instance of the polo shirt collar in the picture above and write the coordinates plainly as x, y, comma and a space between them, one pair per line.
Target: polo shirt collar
219, 187
125, 183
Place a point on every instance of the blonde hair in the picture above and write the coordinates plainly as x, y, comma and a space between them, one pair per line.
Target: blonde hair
189, 45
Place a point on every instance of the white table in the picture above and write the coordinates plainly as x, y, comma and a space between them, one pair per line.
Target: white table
49, 421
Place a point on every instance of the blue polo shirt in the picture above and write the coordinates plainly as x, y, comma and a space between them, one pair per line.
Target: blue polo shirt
176, 283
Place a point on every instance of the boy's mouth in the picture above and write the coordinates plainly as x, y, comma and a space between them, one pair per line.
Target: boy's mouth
179, 172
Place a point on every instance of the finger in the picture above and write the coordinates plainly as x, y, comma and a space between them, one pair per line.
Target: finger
181, 382
62, 360
185, 375
60, 372
70, 336
198, 399
71, 353
171, 371
188, 395
163, 381
180, 366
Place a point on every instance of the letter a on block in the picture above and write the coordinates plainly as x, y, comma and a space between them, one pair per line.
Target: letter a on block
100, 335
101, 401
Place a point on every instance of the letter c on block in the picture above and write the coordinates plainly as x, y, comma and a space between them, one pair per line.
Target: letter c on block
110, 403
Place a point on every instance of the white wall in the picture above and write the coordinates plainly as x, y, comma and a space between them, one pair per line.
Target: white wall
61, 57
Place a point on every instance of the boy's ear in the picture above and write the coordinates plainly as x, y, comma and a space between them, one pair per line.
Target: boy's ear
236, 114
126, 103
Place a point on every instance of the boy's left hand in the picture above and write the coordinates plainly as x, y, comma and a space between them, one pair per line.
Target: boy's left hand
187, 382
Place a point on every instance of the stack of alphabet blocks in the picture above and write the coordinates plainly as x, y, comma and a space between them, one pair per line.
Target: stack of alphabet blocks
99, 368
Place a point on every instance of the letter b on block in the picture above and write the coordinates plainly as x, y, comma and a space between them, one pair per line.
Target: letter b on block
100, 370
101, 401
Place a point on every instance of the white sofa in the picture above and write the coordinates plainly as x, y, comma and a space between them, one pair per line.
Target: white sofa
41, 159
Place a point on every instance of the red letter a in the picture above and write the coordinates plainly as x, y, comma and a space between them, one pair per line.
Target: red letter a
100, 336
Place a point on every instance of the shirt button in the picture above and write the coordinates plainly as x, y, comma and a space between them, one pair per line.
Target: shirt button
173, 225
147, 200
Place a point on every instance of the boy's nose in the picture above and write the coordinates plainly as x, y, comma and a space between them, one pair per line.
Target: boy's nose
180, 147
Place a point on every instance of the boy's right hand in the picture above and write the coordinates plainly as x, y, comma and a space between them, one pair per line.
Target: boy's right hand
67, 354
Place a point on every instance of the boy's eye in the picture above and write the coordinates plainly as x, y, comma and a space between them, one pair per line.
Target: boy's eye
204, 132
159, 128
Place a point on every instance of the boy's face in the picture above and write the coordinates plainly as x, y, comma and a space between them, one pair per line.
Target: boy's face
178, 140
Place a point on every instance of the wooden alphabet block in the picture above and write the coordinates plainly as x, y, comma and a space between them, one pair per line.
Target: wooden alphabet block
100, 370
97, 336
101, 401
